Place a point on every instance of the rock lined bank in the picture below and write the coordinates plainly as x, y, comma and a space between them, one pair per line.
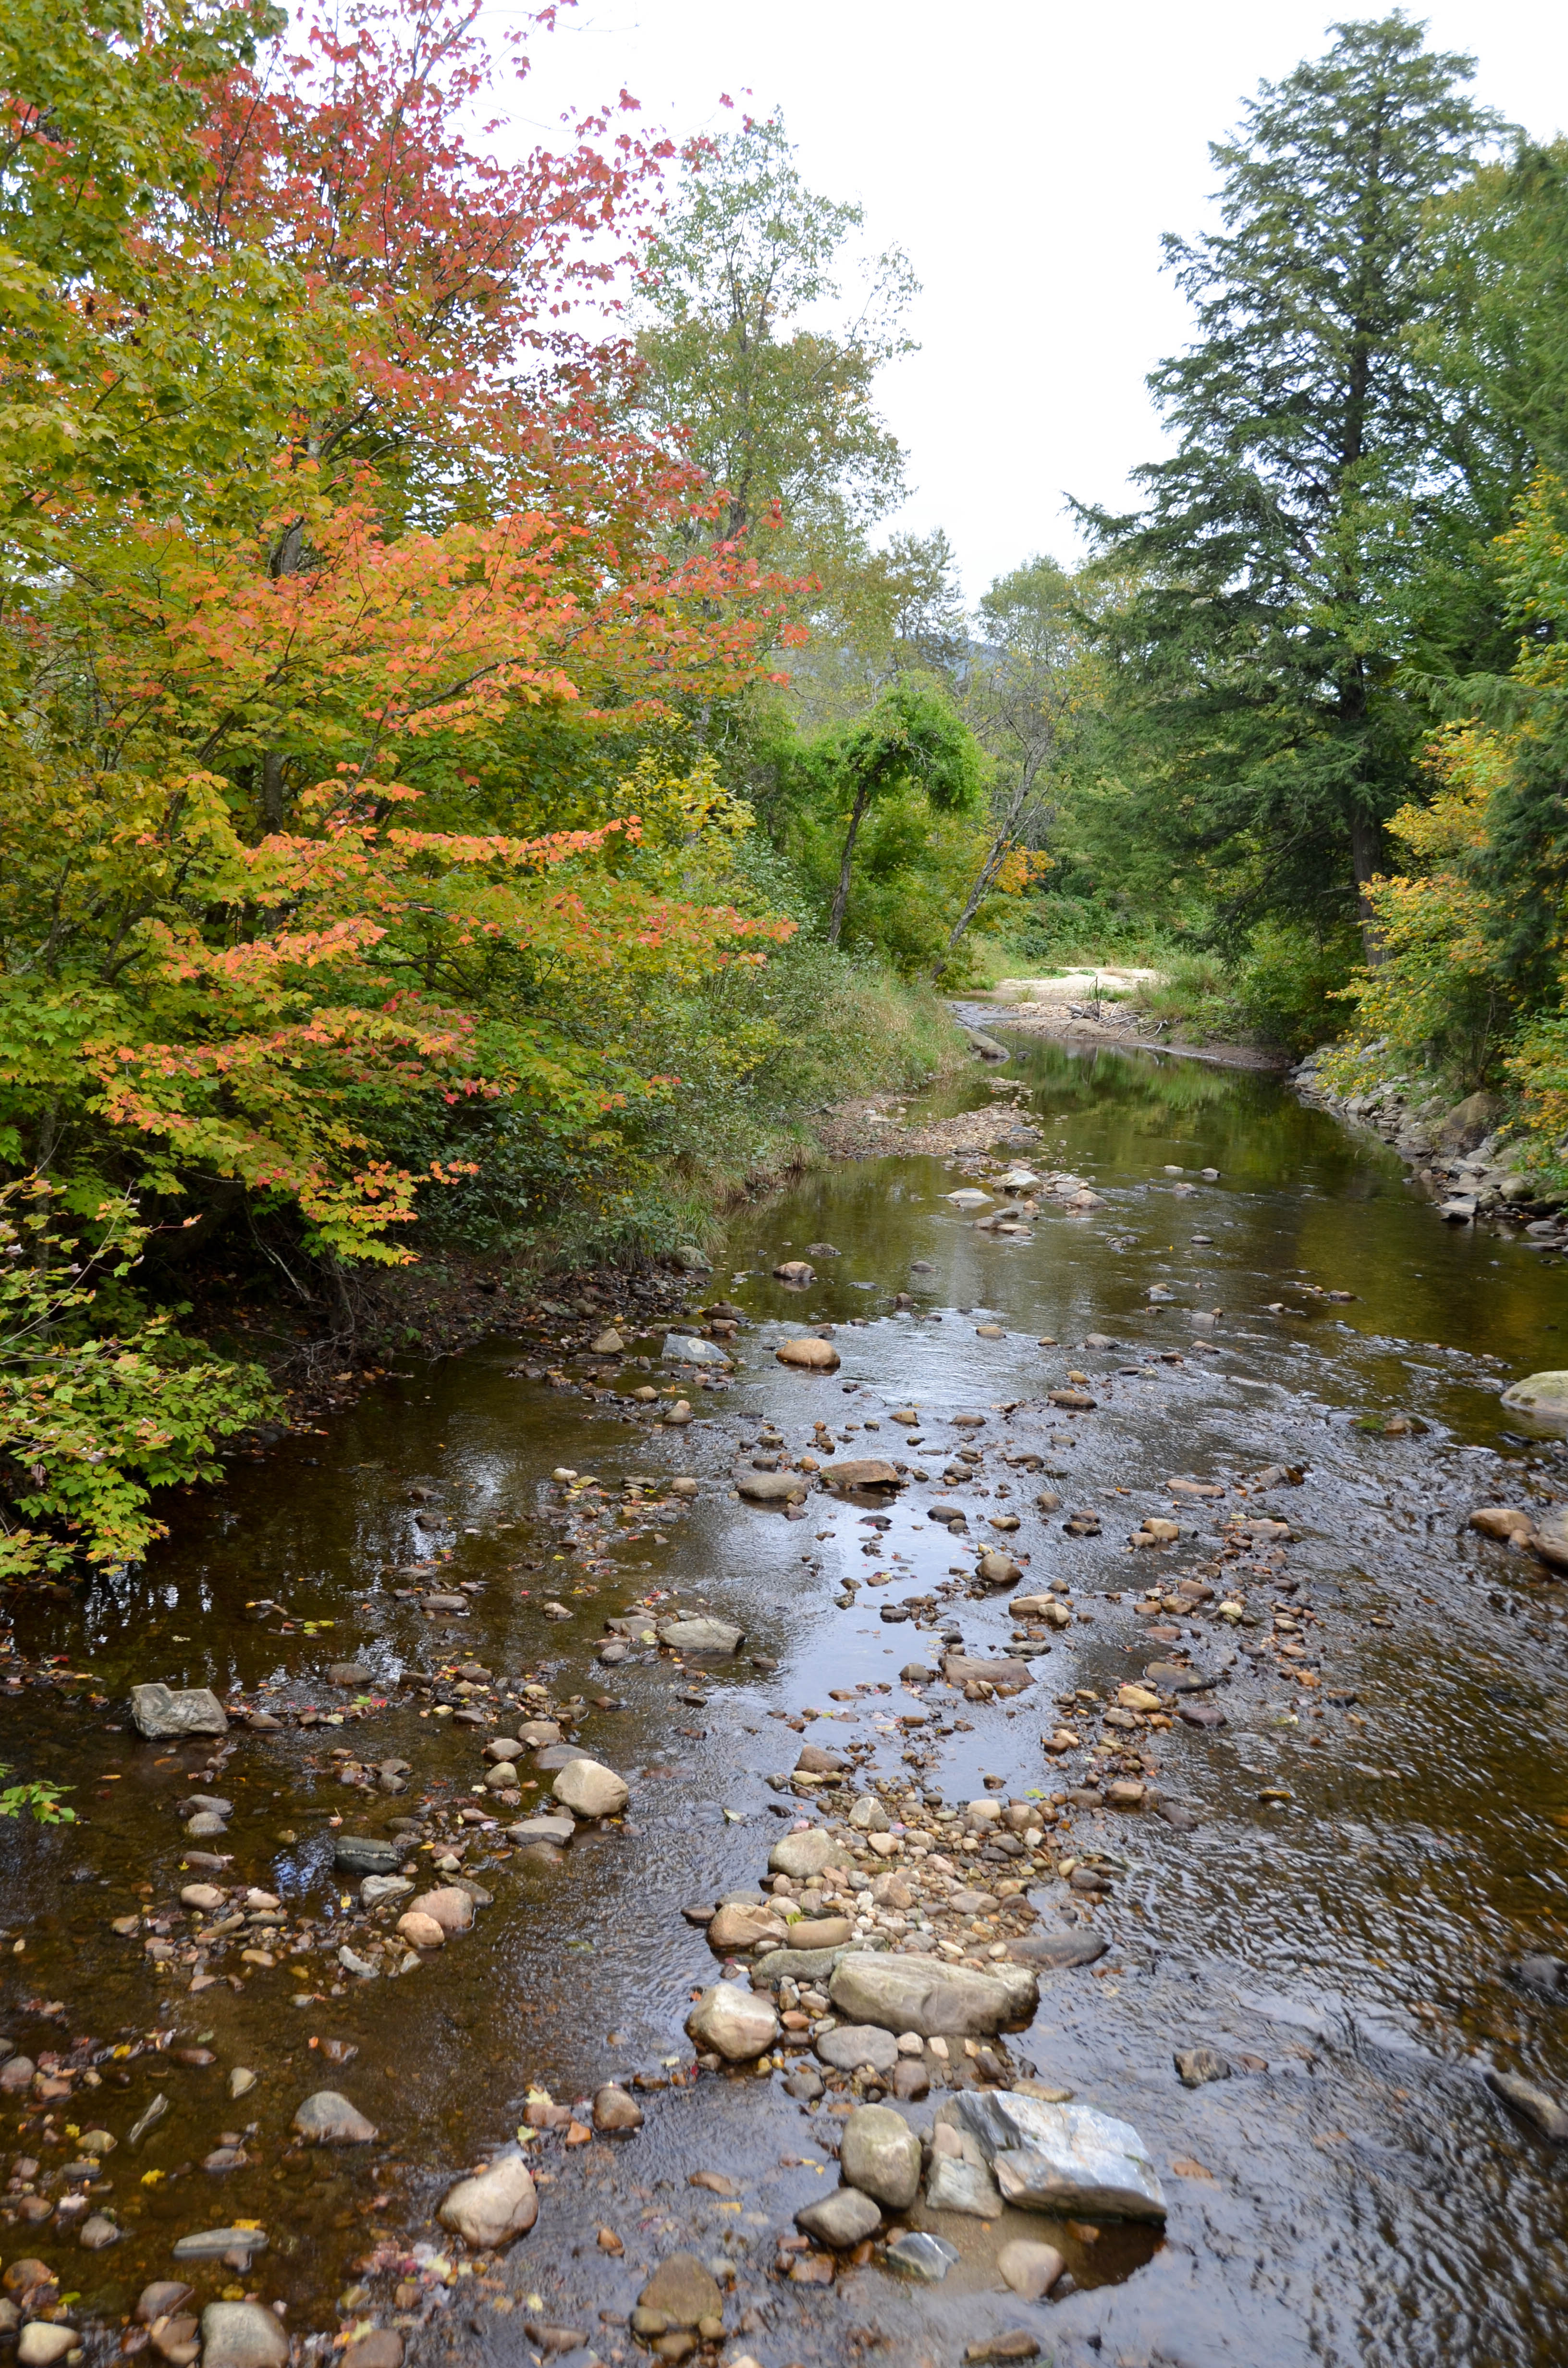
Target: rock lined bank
1457, 1150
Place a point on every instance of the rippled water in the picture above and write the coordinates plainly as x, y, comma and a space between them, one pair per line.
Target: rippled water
1362, 2199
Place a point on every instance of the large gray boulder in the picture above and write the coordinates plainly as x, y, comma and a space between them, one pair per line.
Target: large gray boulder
160, 1713
242, 2335
690, 1348
771, 1487
922, 1994
493, 2206
1543, 1397
879, 2154
1060, 2159
590, 1790
694, 1634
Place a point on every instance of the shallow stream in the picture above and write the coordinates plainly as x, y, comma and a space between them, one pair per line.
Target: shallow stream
1379, 1826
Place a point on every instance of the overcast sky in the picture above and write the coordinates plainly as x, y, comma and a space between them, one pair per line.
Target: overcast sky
1027, 155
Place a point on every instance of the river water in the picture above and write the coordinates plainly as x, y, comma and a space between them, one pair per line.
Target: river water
1354, 2193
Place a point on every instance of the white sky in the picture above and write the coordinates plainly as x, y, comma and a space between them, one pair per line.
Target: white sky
1027, 155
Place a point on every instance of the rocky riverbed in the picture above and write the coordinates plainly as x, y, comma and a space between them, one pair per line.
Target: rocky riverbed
989, 1784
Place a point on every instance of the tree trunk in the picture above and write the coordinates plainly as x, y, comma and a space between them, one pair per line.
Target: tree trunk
1012, 822
841, 894
1365, 853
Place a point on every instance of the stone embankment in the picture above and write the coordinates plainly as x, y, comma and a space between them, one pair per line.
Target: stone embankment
1456, 1150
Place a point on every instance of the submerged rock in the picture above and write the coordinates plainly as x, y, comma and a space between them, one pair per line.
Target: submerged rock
1030, 2270
1198, 2066
328, 2118
1549, 2118
160, 1713
682, 2292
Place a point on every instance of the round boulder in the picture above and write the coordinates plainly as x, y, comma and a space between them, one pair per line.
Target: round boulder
738, 2024
591, 1790
494, 2206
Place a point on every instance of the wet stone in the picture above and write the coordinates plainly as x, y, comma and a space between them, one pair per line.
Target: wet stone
161, 1713
328, 2118
1548, 2115
494, 2206
682, 2292
843, 2219
1030, 2270
365, 1854
1056, 1950
879, 2154
920, 2255
1198, 2066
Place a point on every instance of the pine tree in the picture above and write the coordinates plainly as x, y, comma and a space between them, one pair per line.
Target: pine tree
1288, 538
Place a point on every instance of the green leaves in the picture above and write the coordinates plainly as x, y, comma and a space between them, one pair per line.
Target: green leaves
93, 1421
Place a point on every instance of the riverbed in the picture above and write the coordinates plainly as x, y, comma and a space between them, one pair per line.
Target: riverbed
1372, 1830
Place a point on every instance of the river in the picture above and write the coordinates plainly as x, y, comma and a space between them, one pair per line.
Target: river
1377, 1827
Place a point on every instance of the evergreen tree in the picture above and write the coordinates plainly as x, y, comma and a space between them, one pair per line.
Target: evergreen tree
1289, 540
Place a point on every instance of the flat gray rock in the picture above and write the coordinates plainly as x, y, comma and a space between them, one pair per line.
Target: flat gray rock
850, 2045
1055, 1951
690, 1348
211, 2244
1062, 2158
368, 1854
542, 1829
922, 1994
920, 2255
160, 1713
797, 1964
